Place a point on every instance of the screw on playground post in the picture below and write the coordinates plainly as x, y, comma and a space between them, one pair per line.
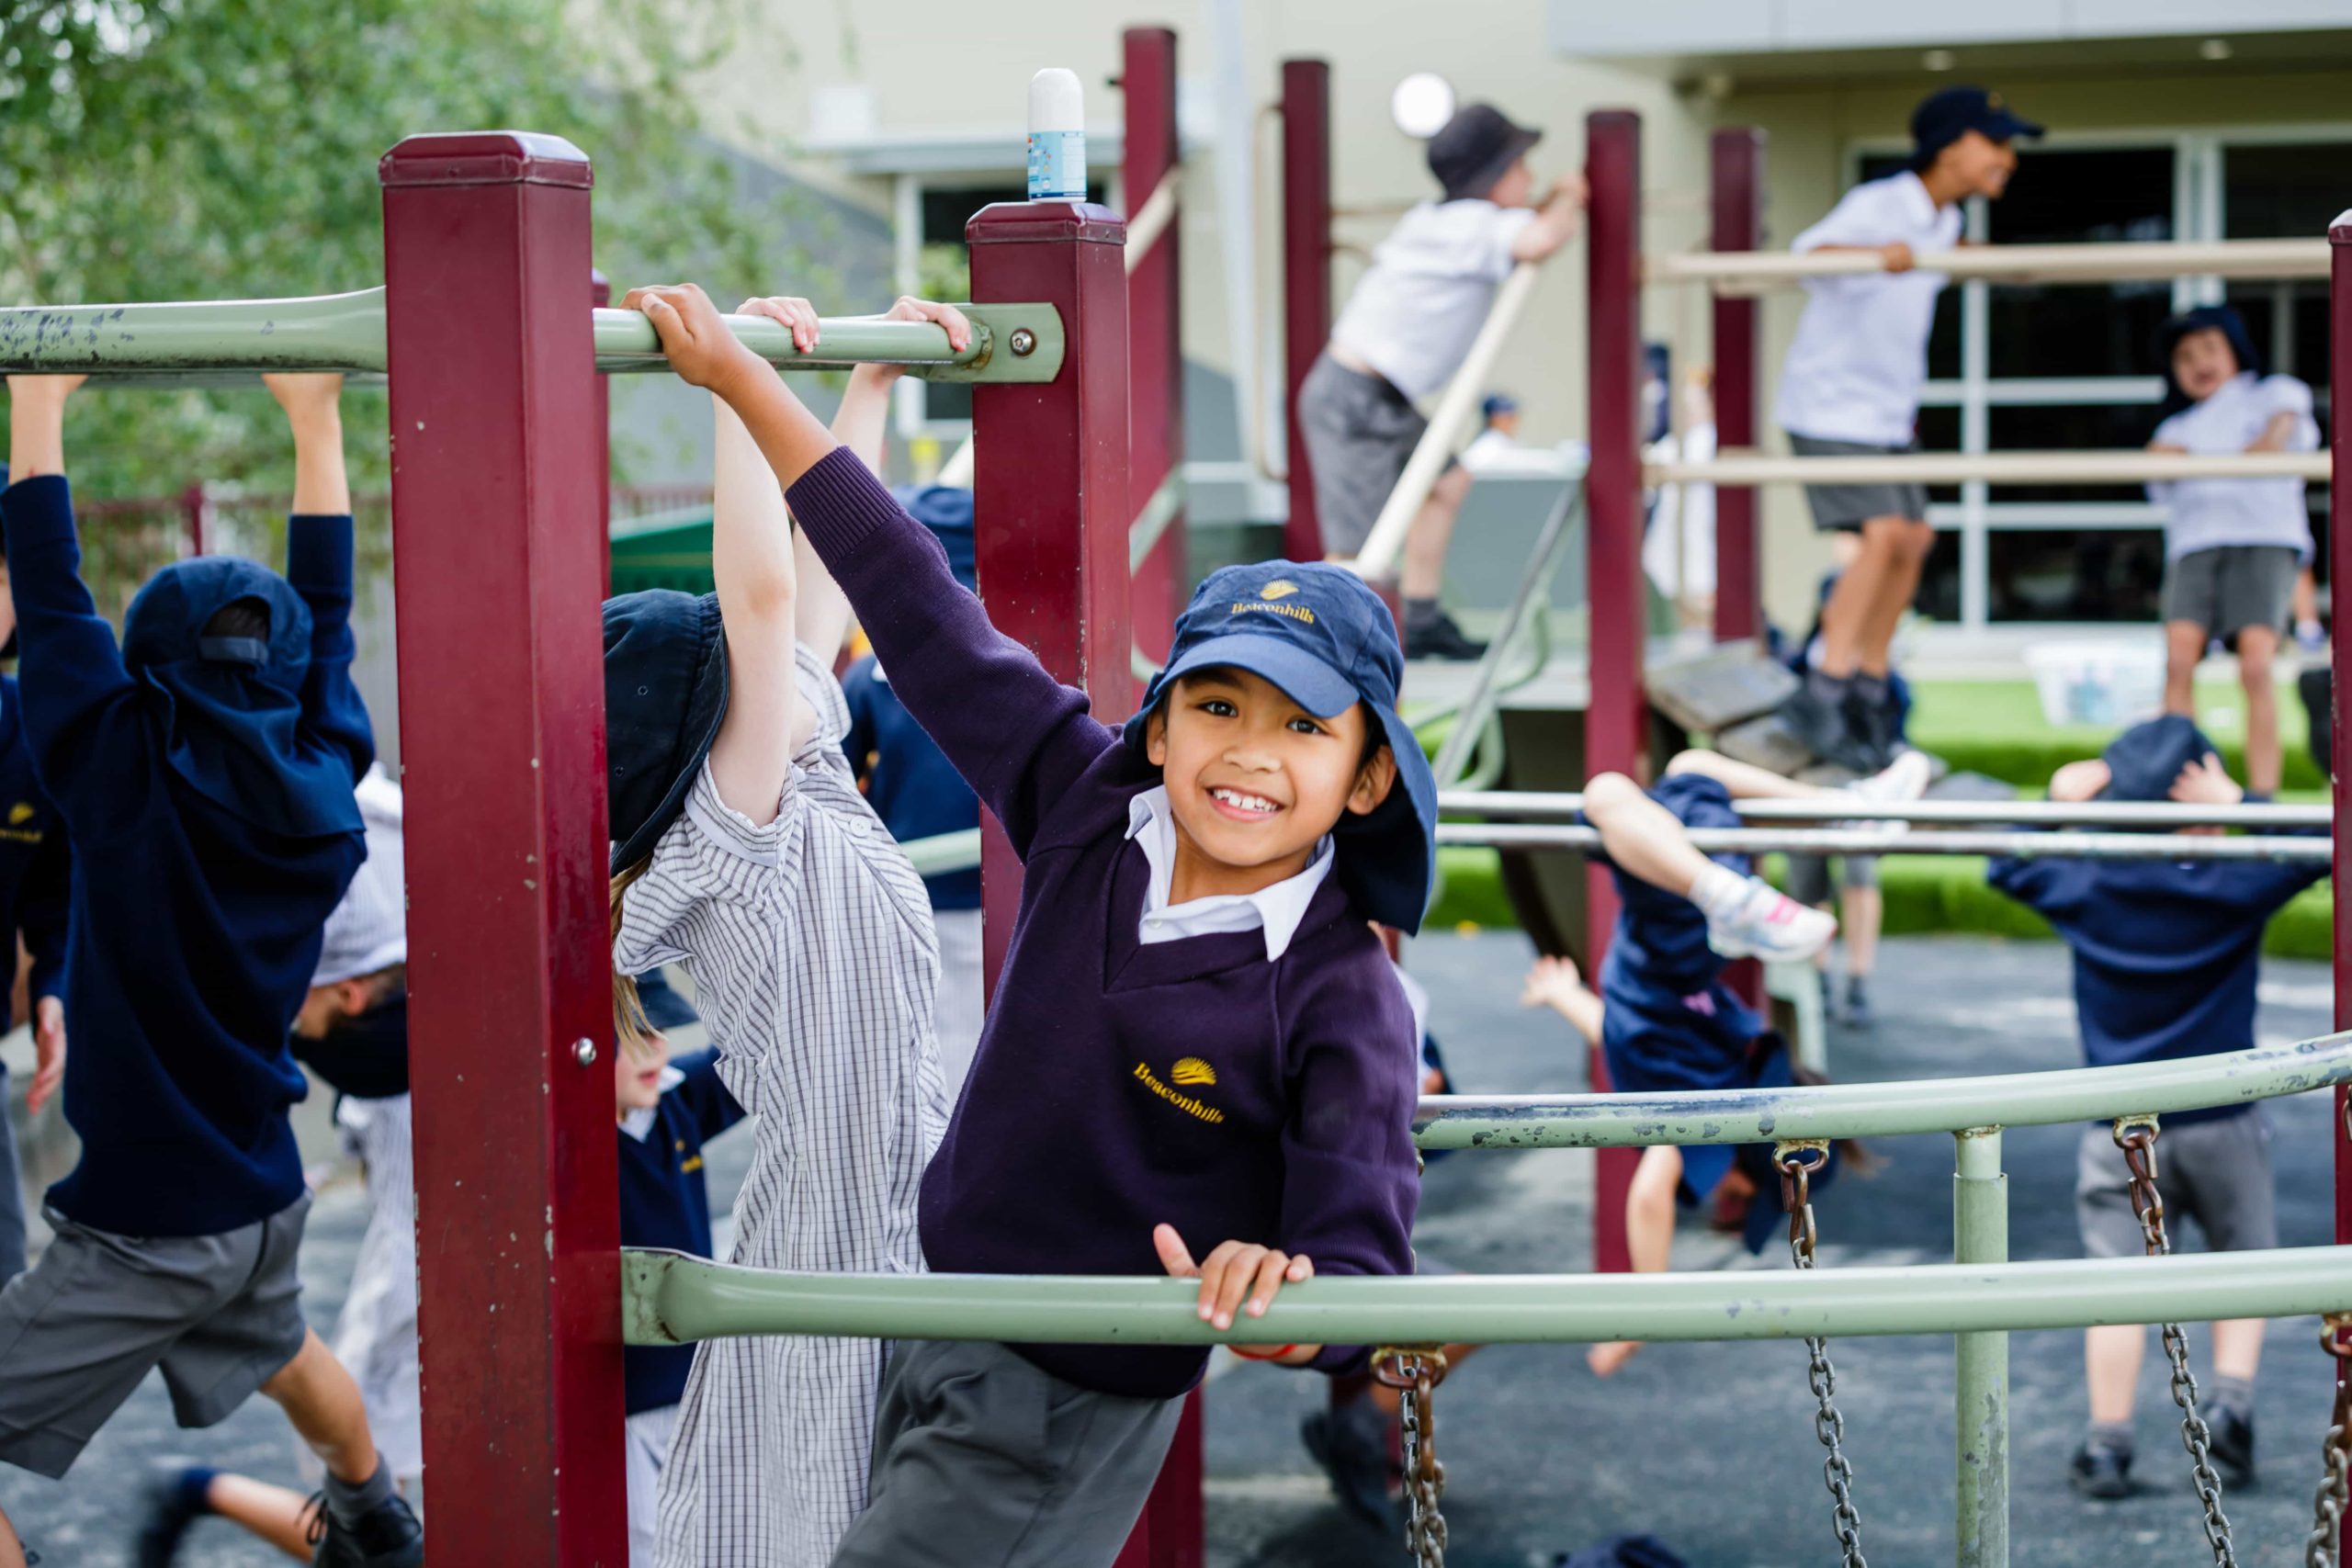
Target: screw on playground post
1024, 343
2335, 1450
584, 1051
2136, 1136
1797, 1160
1417, 1372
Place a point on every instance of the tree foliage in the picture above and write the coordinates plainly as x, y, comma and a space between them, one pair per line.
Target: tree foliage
216, 149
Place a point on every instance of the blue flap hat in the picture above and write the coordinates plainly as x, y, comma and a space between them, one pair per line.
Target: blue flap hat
232, 707
946, 511
2143, 761
1944, 118
665, 690
1318, 632
2221, 319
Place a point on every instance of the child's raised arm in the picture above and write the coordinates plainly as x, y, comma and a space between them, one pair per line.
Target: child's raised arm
750, 554
319, 556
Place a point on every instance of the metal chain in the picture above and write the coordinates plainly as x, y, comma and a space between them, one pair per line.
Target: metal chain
2336, 1453
1797, 1161
1418, 1372
2136, 1136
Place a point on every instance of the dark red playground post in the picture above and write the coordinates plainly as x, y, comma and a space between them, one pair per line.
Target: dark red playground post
600, 293
1616, 720
1735, 200
1306, 273
494, 401
2339, 578
1155, 336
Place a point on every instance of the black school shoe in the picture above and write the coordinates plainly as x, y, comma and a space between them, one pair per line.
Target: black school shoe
1350, 1442
1870, 730
2234, 1448
1857, 1012
1819, 719
386, 1536
2101, 1472
1441, 637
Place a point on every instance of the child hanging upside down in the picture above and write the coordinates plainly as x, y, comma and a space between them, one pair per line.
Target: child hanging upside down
1663, 1017
1197, 1047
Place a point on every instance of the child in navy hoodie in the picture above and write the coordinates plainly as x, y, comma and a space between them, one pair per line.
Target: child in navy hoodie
205, 770
2166, 955
1197, 1046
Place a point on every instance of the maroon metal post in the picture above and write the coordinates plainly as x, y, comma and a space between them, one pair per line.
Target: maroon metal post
192, 516
1735, 198
1050, 482
2339, 578
1306, 273
493, 400
1155, 337
600, 293
1616, 720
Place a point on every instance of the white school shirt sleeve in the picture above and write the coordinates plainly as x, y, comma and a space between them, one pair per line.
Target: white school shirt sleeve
1858, 218
1486, 242
2285, 394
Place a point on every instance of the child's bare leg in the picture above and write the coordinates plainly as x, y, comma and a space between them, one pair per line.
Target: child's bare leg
1911, 541
1745, 780
1861, 910
11, 1551
2237, 1347
2184, 647
1424, 568
1649, 1237
2111, 1363
277, 1515
324, 1404
1645, 839
2257, 671
1845, 620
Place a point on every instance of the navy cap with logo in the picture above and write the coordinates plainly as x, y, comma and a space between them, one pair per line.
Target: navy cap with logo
1475, 148
1944, 118
1318, 632
2143, 761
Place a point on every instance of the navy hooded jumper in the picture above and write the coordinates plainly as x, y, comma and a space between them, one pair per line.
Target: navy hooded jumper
207, 794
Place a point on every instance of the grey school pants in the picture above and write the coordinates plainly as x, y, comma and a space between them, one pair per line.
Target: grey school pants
983, 1461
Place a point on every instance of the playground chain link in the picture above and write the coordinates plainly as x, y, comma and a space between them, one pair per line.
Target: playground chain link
2335, 1451
1417, 1372
1797, 1160
2136, 1136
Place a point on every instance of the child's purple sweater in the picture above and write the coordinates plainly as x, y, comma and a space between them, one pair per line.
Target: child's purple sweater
1119, 1086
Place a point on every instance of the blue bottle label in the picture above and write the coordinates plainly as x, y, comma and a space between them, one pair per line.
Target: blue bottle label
1057, 165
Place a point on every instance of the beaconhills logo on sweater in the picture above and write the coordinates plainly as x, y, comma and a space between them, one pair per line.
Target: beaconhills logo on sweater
1190, 1070
1279, 589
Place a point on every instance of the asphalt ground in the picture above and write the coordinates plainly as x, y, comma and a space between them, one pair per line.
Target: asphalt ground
1710, 1447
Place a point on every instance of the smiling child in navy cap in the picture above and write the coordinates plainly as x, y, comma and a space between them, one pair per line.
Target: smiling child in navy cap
1197, 1046
2166, 956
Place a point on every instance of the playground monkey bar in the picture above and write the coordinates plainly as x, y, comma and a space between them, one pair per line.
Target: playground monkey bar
1751, 272
346, 332
1881, 841
2275, 816
2095, 467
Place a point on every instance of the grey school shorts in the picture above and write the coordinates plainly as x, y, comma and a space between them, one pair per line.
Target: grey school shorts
2216, 1172
2231, 587
220, 1315
976, 1447
1809, 875
1844, 508
1359, 434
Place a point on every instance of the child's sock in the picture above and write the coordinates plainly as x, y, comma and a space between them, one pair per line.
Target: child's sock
2113, 1436
192, 1488
2234, 1394
350, 1502
1827, 689
1419, 612
1870, 688
1718, 890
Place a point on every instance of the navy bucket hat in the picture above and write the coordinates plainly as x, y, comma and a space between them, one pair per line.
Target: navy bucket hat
2143, 761
665, 690
1322, 636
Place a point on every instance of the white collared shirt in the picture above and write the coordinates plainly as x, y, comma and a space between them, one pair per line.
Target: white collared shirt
2210, 514
1431, 282
1859, 358
1278, 909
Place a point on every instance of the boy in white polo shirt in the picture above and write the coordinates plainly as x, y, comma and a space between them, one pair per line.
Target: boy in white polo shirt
2232, 548
1850, 387
1404, 334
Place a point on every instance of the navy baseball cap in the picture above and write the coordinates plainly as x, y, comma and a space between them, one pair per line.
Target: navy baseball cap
2143, 761
1497, 403
1945, 117
1318, 632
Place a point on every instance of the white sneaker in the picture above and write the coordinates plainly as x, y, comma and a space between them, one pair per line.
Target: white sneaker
1766, 923
1898, 783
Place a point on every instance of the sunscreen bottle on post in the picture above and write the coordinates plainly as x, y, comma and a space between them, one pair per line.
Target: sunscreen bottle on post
1057, 136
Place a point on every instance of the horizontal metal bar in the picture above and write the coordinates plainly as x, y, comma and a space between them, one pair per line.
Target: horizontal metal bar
206, 339
1882, 1110
944, 852
1551, 806
1994, 467
1934, 841
670, 1297
1749, 272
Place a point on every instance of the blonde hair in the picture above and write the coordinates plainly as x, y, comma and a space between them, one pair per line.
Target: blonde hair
631, 1028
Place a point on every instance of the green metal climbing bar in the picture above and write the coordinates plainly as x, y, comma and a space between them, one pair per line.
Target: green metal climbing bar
205, 339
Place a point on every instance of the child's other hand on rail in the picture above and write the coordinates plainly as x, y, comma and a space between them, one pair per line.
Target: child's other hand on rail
1235, 1269
909, 308
2204, 781
693, 337
2170, 448
301, 393
1551, 982
790, 312
36, 425
1897, 256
